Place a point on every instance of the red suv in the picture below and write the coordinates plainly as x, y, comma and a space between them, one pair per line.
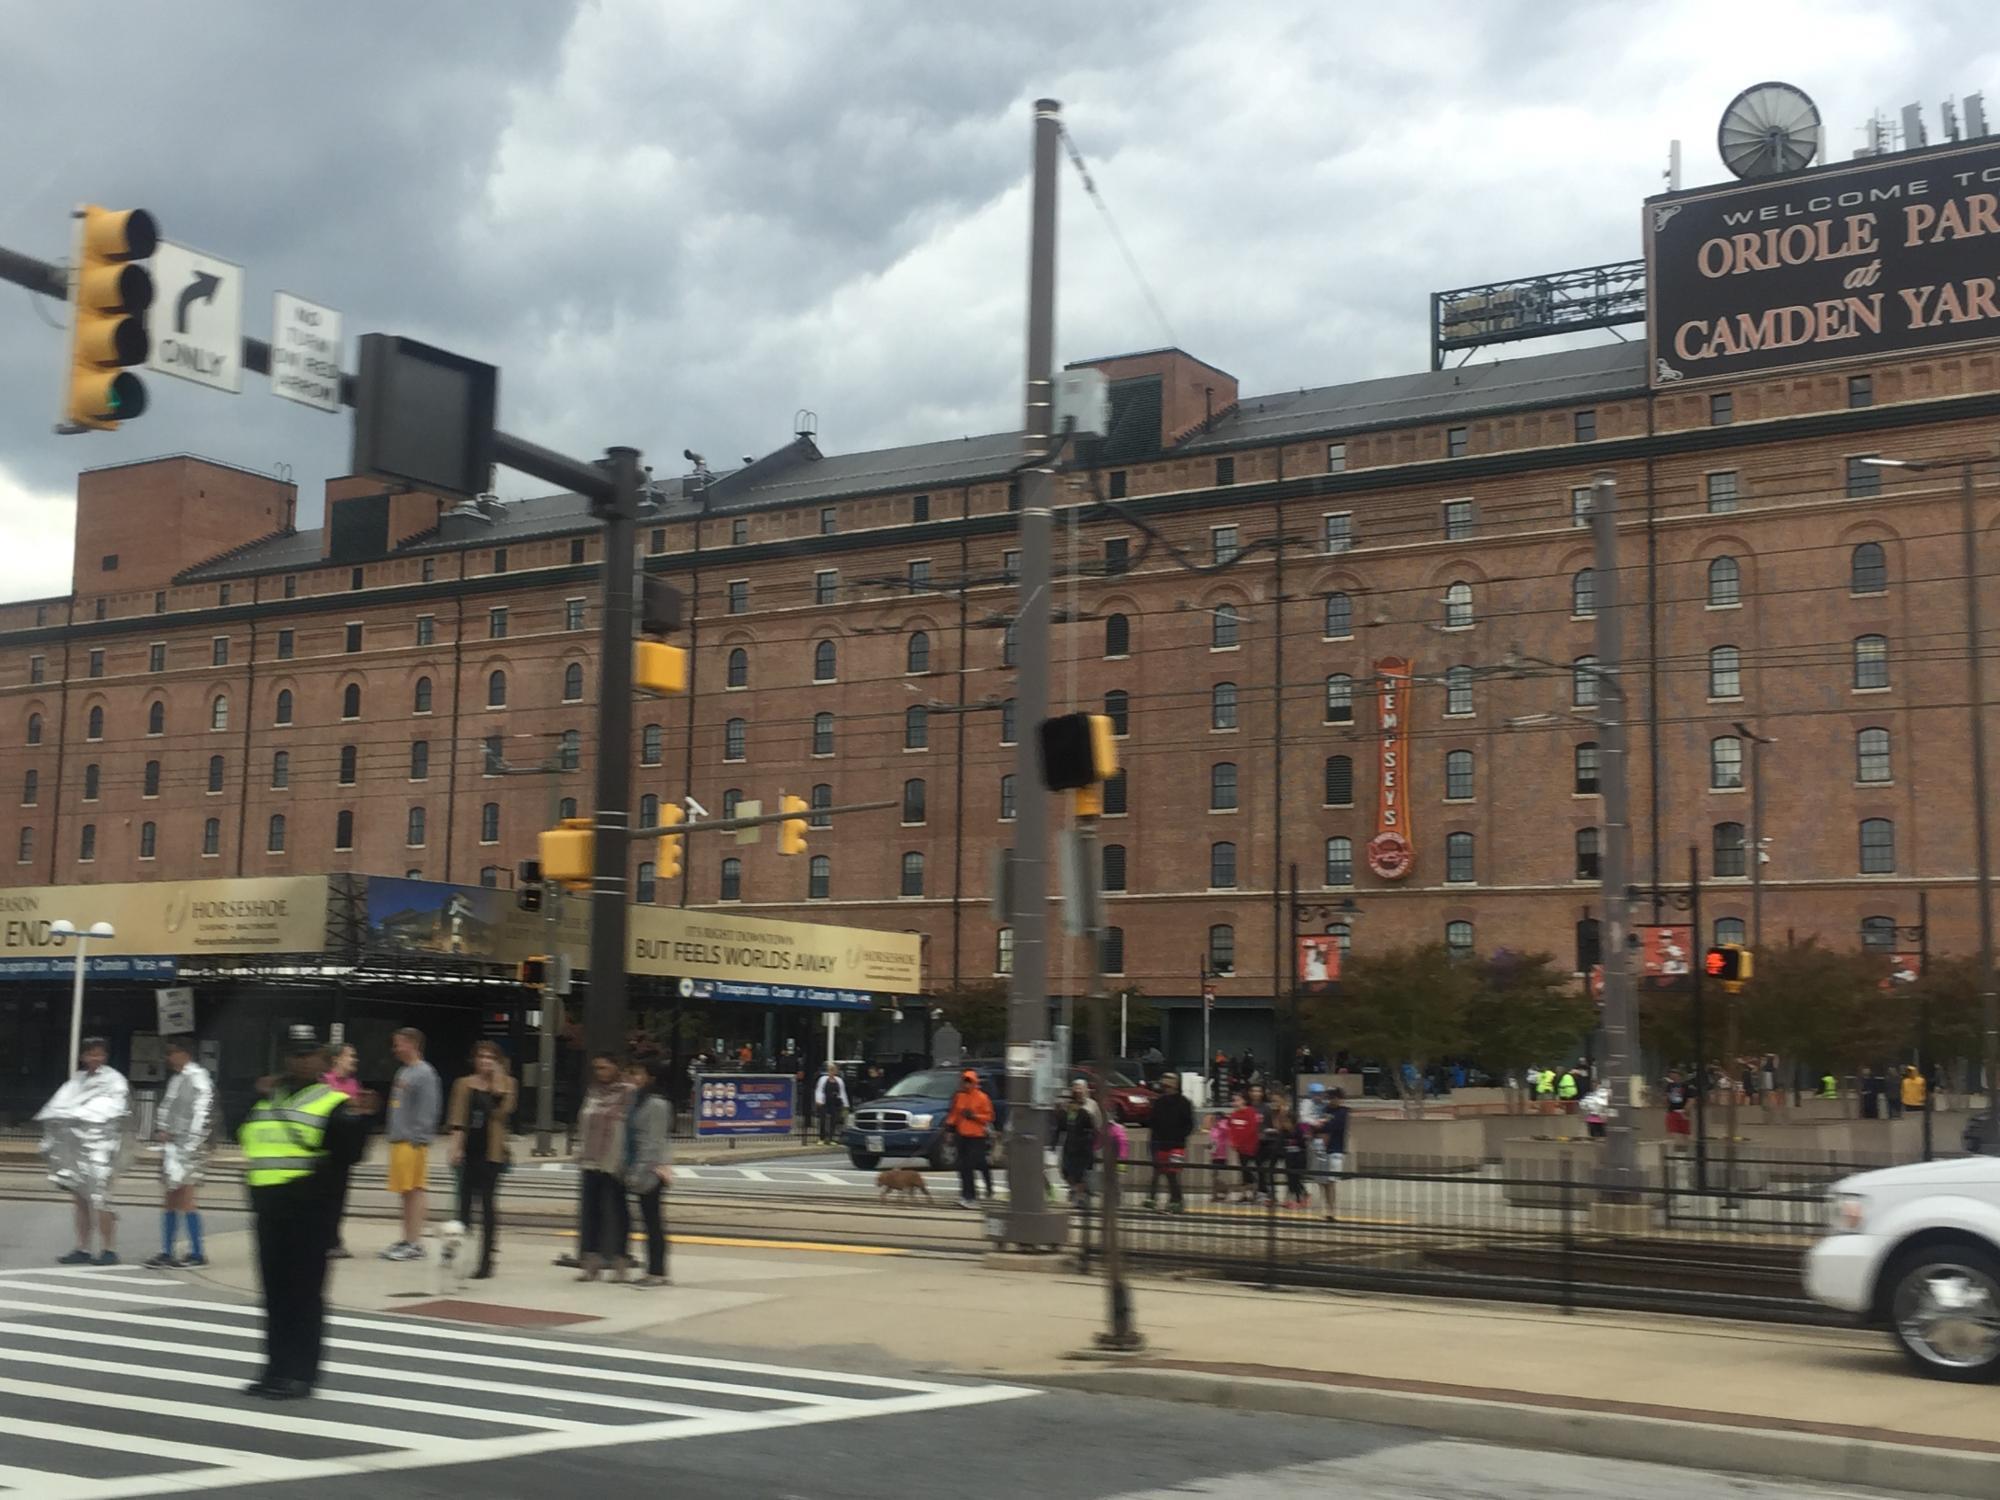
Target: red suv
1131, 1103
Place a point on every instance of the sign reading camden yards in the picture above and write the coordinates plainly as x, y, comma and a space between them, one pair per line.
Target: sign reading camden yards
278, 915
1881, 257
1392, 853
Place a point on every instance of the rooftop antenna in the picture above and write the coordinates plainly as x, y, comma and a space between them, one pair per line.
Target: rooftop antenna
1914, 134
1950, 113
1768, 129
1975, 116
1673, 166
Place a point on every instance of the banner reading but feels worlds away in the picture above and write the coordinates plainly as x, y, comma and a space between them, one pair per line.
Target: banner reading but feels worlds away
1879, 257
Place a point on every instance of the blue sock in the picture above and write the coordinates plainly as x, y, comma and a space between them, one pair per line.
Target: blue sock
168, 1221
194, 1231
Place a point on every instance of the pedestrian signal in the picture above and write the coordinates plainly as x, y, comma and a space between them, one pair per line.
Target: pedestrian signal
1728, 962
535, 971
528, 885
568, 852
1078, 750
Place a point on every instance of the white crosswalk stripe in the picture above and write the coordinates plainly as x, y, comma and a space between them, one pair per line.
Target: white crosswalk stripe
120, 1383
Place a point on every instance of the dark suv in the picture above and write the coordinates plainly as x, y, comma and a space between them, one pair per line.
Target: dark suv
908, 1120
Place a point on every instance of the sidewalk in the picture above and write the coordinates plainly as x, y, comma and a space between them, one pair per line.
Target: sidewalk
22, 1151
1833, 1406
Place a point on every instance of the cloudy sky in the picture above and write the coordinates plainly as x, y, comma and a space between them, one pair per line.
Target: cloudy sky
674, 224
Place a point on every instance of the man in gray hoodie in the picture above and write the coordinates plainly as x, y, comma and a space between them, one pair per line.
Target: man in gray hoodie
415, 1105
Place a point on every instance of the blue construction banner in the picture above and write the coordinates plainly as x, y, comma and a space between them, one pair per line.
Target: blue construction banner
745, 1104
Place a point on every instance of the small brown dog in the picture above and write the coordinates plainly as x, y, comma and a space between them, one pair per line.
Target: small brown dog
905, 1180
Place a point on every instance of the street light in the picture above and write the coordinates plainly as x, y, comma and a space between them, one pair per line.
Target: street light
1976, 703
62, 930
1337, 917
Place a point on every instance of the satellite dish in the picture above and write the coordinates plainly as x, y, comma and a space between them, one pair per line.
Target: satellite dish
1768, 128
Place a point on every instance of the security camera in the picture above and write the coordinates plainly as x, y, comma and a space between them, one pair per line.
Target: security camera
695, 808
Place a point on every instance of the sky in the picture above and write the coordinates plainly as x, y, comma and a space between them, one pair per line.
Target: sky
673, 225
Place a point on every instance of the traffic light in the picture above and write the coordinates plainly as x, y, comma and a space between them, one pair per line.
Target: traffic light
108, 302
659, 669
1728, 962
568, 852
1078, 750
528, 885
792, 832
670, 843
535, 971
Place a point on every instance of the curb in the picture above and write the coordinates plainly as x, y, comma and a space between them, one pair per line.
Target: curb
1857, 1457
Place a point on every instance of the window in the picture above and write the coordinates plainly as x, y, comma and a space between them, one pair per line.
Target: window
1340, 861
566, 808
569, 750
920, 575
646, 885
1339, 616
1117, 636
732, 879
1579, 506
917, 727
1007, 798
96, 668
492, 762
489, 876
1861, 390
1878, 846
1337, 532
651, 745
1222, 706
93, 724
738, 670
349, 761
1336, 458
274, 834
24, 846
286, 642
216, 768
86, 844
1721, 409
211, 835
283, 713
1726, 850
572, 614
1729, 930
1722, 492
1725, 583
343, 829
1117, 555
1458, 939
1458, 776
1583, 682
649, 810
156, 660
31, 785
160, 600
1583, 593
1868, 572
1458, 864
731, 798
1222, 866
1588, 866
1871, 756
829, 520
1225, 469
573, 682
496, 623
430, 572
489, 823
499, 559
1878, 934
1111, 951
1339, 698
350, 701
1454, 442
1457, 520
1458, 606
735, 736
1222, 786
1010, 644
281, 770
1224, 629
156, 718
1864, 480
739, 596
826, 586
413, 835
917, 655
353, 637
149, 785
1725, 763
496, 689
1725, 672
1114, 794
1222, 544
1010, 565
38, 666
822, 734
91, 782
913, 801
1003, 951
1115, 484
1871, 661
218, 651
1222, 949
1339, 781
1458, 690
920, 507
819, 878
822, 797
1586, 427
99, 608
913, 875
576, 549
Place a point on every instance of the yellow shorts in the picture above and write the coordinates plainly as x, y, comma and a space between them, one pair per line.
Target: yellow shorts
409, 1167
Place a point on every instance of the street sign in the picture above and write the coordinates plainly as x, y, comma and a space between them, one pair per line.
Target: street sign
196, 320
305, 353
424, 416
744, 1104
176, 1010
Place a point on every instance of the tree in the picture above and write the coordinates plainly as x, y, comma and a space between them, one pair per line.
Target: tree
1820, 1006
1407, 1005
979, 1011
1951, 988
1524, 1010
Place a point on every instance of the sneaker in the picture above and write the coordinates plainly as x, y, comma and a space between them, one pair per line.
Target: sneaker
160, 1262
191, 1262
395, 1251
74, 1258
108, 1258
968, 1203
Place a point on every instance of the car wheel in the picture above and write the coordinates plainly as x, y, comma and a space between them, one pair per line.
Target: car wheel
865, 1160
944, 1155
1944, 1311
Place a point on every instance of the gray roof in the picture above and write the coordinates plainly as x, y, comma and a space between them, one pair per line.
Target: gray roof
1594, 373
810, 475
282, 552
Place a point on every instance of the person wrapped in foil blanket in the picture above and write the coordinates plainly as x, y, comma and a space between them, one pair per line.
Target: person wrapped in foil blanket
83, 1130
185, 1125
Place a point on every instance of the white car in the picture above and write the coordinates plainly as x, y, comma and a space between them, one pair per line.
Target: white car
1917, 1249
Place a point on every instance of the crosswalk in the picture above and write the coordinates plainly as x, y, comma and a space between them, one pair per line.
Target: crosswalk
122, 1383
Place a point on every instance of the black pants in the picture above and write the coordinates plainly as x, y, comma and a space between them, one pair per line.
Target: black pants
1171, 1175
291, 1222
337, 1173
1295, 1175
479, 1181
607, 1217
652, 1205
1267, 1169
972, 1163
829, 1120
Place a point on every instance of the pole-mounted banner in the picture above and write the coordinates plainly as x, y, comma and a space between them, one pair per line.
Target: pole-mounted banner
1392, 853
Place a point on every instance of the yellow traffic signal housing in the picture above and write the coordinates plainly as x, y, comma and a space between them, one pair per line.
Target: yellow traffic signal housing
535, 971
1729, 962
792, 832
569, 852
1078, 750
658, 668
670, 843
108, 301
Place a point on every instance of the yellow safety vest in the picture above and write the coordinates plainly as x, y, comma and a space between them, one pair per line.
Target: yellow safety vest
1566, 1086
284, 1139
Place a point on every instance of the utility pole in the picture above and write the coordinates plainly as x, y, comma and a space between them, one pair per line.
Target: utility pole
1699, 1081
1029, 1219
606, 1009
1621, 1147
1976, 683
1120, 1334
1757, 742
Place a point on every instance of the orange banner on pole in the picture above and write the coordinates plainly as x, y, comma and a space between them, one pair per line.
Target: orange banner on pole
1392, 853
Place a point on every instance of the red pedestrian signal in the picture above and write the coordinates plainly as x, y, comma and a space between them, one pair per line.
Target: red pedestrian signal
1728, 962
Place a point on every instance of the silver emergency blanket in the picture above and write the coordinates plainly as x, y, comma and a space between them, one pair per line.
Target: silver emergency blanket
83, 1133
185, 1123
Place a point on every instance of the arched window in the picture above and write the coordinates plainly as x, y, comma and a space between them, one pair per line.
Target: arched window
150, 785
215, 773
735, 739
822, 743
284, 706
1339, 698
1340, 861
913, 874
646, 884
24, 847
1871, 661
1725, 763
31, 785
1221, 865
1583, 682
917, 656
1117, 636
1729, 930
1725, 672
731, 797
1339, 616
1583, 593
823, 655
496, 689
414, 831
1725, 583
822, 797
343, 829
569, 749
1458, 775
489, 823
1458, 865
1117, 708
94, 721
916, 727
1007, 797
1878, 934
1339, 781
1588, 866
420, 696
1003, 951
1727, 855
156, 718
1222, 706
35, 729
1871, 756
1222, 949
1111, 955
1586, 769
349, 760
1458, 690
732, 879
1114, 793
1458, 606
90, 782
218, 712
1878, 846
566, 807
274, 834
1010, 644
1008, 728
913, 800
1458, 939
1222, 786
819, 879
573, 682
350, 701
281, 769
651, 743
420, 760
1112, 858
1224, 627
1868, 570
739, 668
489, 876
649, 810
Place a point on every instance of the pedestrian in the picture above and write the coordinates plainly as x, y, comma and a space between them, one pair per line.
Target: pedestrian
297, 1127
1871, 1094
1172, 1123
1597, 1110
1767, 1081
970, 1119
1567, 1090
342, 1075
606, 1224
482, 1102
649, 1162
1912, 1088
416, 1103
1829, 1086
182, 1128
1293, 1141
830, 1099
1677, 1098
83, 1142
1333, 1133
1076, 1141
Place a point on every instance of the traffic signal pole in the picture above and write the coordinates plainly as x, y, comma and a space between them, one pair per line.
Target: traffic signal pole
605, 1009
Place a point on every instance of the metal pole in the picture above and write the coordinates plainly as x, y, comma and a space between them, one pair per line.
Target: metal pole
1292, 940
1029, 1219
1976, 682
1207, 1075
76, 1006
1696, 966
1756, 842
1924, 1009
1120, 1333
1621, 1146
552, 998
1124, 1023
605, 1013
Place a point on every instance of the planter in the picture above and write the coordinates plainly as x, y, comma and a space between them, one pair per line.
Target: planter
1442, 1145
1534, 1169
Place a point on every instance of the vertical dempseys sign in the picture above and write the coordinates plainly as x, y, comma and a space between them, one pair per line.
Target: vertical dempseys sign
1392, 853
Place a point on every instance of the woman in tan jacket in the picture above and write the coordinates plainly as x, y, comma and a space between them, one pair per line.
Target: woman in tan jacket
481, 1104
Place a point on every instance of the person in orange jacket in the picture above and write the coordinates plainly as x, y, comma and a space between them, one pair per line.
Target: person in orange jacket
971, 1120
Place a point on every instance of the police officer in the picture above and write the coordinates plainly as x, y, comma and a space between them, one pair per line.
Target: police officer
294, 1134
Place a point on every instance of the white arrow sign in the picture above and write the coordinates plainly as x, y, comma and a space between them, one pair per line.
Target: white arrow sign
196, 320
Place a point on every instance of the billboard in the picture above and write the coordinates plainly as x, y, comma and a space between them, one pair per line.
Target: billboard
450, 921
285, 914
1890, 255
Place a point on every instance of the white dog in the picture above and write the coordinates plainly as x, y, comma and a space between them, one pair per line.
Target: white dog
453, 1267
